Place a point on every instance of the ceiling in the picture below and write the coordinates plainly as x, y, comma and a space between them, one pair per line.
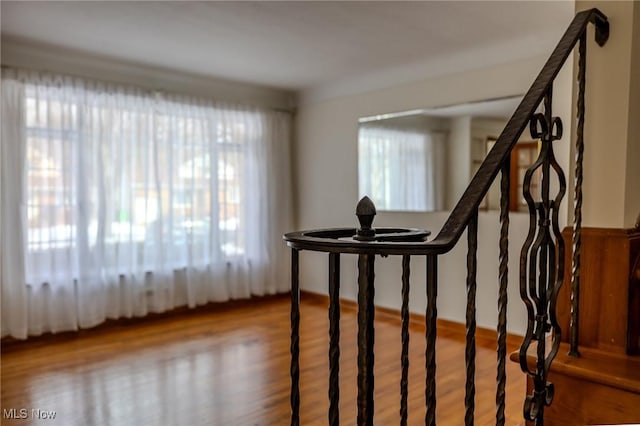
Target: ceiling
297, 46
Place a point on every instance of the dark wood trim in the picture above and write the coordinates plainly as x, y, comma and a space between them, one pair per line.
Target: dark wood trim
596, 388
633, 328
47, 338
599, 367
389, 314
609, 290
455, 328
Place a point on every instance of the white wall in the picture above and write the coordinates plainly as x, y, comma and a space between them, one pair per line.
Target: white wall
458, 159
326, 173
21, 53
612, 128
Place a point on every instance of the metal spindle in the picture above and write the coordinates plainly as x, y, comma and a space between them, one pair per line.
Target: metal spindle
541, 260
543, 276
404, 359
430, 352
577, 211
334, 338
366, 311
295, 340
545, 273
503, 272
541, 319
470, 347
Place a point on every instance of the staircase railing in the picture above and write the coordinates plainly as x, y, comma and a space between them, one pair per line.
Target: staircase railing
541, 259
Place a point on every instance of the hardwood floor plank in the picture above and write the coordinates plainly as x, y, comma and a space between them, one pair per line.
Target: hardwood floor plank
230, 366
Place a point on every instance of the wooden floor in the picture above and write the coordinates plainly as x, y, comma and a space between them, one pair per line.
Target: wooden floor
230, 366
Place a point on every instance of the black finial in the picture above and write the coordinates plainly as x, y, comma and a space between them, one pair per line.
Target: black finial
366, 211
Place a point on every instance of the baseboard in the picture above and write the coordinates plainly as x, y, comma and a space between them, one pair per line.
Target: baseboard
415, 319
109, 323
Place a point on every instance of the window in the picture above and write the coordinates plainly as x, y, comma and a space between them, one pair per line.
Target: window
51, 131
118, 202
53, 138
396, 168
133, 182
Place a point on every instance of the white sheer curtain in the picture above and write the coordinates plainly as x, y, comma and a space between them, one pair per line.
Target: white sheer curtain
117, 202
400, 169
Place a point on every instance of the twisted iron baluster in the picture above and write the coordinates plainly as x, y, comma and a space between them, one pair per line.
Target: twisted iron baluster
577, 210
430, 351
365, 338
334, 338
503, 273
295, 340
404, 359
470, 347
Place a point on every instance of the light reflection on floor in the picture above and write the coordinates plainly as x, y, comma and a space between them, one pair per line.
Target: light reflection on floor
198, 369
200, 378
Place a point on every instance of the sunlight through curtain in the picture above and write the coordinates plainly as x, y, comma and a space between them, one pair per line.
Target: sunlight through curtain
117, 202
400, 169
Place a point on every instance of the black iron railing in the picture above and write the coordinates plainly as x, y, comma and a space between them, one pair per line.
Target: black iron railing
541, 259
